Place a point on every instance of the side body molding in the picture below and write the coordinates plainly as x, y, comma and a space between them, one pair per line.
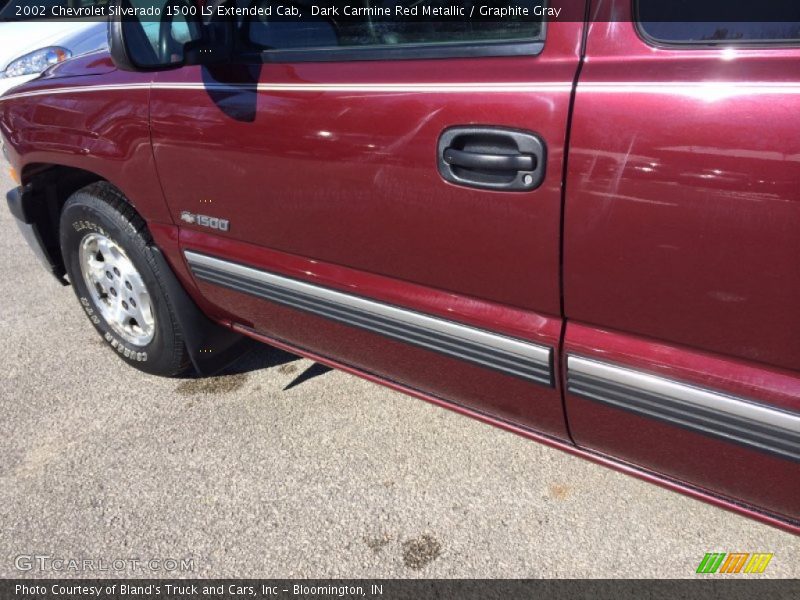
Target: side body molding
730, 418
523, 359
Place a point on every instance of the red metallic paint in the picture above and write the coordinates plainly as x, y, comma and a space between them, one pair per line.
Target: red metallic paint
341, 188
682, 212
683, 207
105, 131
350, 177
680, 220
721, 467
517, 400
478, 313
166, 238
596, 457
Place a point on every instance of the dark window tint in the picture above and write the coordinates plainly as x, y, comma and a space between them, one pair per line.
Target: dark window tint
719, 21
377, 23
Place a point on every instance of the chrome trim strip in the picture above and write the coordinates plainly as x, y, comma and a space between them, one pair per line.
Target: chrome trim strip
120, 87
418, 88
502, 353
731, 418
697, 89
687, 88
411, 88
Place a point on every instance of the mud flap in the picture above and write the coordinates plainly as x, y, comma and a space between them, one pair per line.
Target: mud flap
30, 220
211, 347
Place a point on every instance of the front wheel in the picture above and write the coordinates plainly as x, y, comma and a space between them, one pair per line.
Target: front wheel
106, 250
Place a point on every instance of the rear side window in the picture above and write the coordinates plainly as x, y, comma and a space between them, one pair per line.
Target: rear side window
719, 21
375, 25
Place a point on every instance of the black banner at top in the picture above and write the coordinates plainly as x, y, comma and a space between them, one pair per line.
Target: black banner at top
341, 11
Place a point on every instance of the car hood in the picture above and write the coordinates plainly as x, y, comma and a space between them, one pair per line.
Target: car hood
20, 38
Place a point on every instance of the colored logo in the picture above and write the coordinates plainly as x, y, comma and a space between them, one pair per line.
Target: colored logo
734, 562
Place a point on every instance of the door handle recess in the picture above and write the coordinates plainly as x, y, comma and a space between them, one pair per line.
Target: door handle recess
493, 158
489, 162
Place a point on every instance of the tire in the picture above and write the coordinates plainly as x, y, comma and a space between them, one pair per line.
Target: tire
106, 250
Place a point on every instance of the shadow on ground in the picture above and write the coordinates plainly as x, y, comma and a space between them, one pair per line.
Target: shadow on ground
260, 357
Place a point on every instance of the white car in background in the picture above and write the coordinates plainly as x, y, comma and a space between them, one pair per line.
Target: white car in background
27, 48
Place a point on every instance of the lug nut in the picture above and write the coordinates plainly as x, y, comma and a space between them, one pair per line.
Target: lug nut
109, 275
128, 285
133, 302
113, 292
116, 271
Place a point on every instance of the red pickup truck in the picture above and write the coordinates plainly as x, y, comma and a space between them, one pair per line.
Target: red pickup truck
584, 230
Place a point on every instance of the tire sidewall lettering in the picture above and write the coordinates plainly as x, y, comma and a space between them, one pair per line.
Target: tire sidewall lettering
87, 306
122, 349
96, 210
83, 225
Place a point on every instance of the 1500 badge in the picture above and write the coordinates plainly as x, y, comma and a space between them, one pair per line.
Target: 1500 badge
205, 221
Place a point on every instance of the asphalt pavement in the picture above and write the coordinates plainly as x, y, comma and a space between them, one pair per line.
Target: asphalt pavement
283, 468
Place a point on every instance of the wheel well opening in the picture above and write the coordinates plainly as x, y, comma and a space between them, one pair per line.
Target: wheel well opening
49, 187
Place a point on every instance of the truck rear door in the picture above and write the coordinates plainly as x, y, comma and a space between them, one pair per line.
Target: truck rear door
682, 216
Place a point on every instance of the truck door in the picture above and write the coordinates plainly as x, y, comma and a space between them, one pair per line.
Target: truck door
682, 284
385, 192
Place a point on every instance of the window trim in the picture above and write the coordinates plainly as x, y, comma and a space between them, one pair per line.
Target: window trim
703, 44
402, 52
472, 49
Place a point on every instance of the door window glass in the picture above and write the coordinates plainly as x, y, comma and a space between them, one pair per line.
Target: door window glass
379, 23
719, 21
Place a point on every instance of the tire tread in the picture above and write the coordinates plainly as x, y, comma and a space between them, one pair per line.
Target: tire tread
104, 193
